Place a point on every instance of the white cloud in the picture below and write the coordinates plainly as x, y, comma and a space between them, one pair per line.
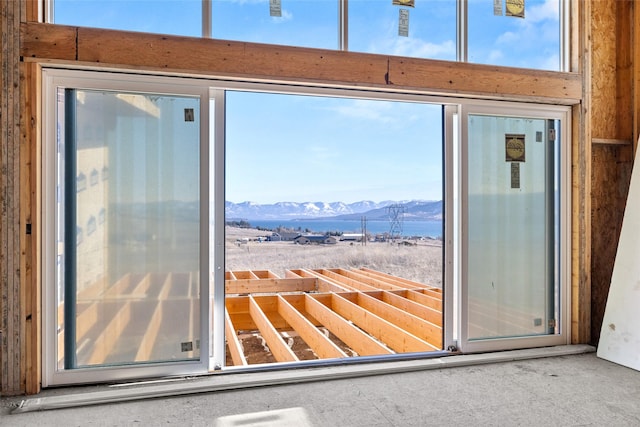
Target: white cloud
495, 56
549, 10
417, 48
286, 17
508, 37
362, 109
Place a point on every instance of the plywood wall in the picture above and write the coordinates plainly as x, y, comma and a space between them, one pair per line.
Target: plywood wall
612, 130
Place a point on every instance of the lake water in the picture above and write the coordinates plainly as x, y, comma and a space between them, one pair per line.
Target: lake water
409, 228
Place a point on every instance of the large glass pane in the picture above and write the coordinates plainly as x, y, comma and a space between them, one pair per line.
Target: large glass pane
431, 31
333, 227
306, 23
179, 17
128, 228
511, 227
525, 37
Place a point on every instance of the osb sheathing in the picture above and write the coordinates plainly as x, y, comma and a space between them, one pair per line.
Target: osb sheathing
611, 164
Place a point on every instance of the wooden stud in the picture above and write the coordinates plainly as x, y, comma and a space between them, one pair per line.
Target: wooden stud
321, 345
280, 350
394, 337
345, 281
399, 281
235, 348
426, 331
324, 284
150, 335
355, 338
424, 312
257, 285
104, 343
30, 204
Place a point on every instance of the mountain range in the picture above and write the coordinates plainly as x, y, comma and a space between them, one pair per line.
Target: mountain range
412, 210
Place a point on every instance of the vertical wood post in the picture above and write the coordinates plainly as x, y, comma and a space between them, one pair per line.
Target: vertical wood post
11, 294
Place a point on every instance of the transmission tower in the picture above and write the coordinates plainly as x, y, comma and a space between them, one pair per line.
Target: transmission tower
396, 219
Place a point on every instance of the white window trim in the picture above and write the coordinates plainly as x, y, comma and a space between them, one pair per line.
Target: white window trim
212, 357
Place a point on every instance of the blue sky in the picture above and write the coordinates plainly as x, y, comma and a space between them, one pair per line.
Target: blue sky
294, 148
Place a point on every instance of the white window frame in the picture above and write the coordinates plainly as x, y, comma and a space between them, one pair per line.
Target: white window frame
53, 79
343, 27
212, 202
562, 246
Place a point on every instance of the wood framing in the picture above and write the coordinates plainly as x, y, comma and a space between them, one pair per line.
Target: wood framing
603, 87
261, 62
13, 341
363, 319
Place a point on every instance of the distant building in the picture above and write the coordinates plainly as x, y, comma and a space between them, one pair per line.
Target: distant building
352, 237
315, 238
283, 236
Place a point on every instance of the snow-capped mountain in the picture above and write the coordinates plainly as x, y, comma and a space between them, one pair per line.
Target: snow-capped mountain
414, 209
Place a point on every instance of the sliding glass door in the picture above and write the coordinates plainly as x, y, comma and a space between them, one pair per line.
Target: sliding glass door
196, 225
128, 228
513, 205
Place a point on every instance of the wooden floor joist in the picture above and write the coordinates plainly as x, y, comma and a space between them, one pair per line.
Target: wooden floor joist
308, 314
350, 312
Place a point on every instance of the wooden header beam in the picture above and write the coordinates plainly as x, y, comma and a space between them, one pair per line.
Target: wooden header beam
158, 53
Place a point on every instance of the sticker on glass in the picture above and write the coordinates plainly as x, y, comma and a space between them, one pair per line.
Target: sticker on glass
515, 175
275, 8
514, 147
515, 8
403, 23
408, 3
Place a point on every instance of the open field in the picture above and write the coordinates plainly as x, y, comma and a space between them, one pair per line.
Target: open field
421, 263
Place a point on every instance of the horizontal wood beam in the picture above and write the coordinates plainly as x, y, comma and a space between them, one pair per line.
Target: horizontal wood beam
345, 281
427, 313
324, 284
273, 63
394, 337
427, 331
321, 344
611, 141
354, 337
245, 286
404, 283
280, 350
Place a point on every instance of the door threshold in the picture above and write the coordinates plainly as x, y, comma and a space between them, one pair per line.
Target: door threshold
217, 383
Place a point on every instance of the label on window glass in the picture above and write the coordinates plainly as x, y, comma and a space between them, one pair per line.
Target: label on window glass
515, 8
515, 175
497, 7
403, 23
408, 3
275, 8
514, 147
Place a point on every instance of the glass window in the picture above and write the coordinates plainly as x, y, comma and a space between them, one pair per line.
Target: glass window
527, 37
431, 31
511, 231
129, 242
306, 23
531, 40
178, 17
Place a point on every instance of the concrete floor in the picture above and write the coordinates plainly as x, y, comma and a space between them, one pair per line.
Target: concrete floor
570, 390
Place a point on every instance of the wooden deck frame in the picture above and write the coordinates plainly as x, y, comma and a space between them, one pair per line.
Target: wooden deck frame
373, 318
